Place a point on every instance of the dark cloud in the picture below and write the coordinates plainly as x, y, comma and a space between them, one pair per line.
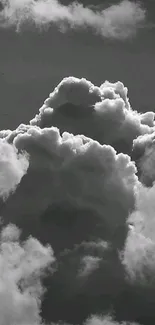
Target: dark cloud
75, 176
89, 278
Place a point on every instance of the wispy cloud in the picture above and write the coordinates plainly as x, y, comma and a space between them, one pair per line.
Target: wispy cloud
118, 21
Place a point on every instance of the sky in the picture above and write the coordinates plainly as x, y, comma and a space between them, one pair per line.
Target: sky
32, 63
77, 162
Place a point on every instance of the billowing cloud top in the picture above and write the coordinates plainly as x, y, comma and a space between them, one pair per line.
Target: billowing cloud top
118, 21
102, 113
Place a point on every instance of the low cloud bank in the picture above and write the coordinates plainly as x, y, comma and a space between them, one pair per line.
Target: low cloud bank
101, 320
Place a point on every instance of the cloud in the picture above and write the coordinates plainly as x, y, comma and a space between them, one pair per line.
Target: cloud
79, 195
104, 320
139, 250
22, 265
88, 278
65, 200
101, 113
138, 256
13, 166
118, 21
144, 155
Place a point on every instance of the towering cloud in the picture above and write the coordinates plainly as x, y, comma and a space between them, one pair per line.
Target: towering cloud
118, 21
78, 196
88, 202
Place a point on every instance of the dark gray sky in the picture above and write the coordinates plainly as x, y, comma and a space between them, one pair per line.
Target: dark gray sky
32, 64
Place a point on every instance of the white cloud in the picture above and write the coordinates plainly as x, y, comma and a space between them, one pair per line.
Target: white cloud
144, 154
22, 264
139, 252
118, 21
13, 166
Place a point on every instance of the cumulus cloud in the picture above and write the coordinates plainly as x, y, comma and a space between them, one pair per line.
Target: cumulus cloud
85, 199
65, 199
118, 21
22, 264
101, 113
13, 166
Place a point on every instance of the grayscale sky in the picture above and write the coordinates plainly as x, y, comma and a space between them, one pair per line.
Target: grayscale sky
32, 63
77, 162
